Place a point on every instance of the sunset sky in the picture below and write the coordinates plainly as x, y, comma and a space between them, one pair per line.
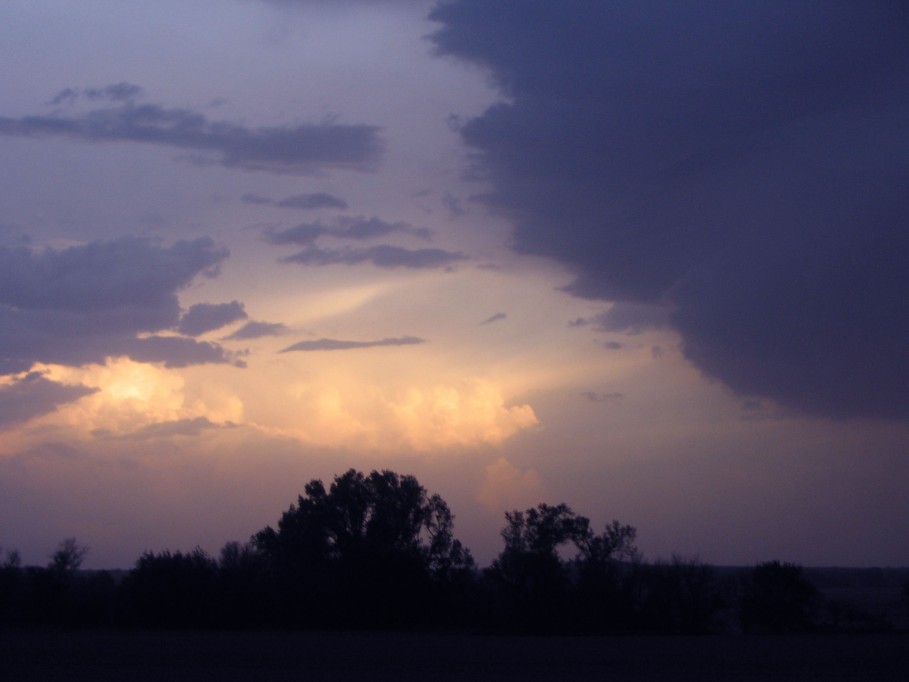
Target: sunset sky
650, 259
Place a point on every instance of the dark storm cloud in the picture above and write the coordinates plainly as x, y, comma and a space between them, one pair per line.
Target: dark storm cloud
84, 303
257, 330
339, 344
742, 164
298, 149
206, 317
354, 228
34, 395
382, 256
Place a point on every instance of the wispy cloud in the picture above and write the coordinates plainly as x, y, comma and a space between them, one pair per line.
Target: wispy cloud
256, 330
352, 228
312, 201
189, 427
315, 200
382, 256
296, 149
596, 397
495, 318
339, 344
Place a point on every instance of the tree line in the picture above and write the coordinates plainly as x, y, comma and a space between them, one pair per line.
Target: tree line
377, 551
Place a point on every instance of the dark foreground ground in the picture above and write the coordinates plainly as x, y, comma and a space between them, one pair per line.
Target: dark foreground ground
199, 656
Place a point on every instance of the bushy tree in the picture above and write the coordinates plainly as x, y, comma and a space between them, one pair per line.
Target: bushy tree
680, 596
540, 584
172, 589
777, 598
371, 549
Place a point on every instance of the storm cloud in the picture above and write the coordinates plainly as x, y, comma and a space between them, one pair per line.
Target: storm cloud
85, 303
740, 165
295, 149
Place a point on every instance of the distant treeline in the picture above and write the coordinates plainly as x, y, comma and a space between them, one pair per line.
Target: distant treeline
377, 552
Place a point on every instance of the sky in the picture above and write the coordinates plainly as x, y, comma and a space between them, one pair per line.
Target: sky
647, 259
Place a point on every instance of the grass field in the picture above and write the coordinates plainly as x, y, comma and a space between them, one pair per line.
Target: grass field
73, 656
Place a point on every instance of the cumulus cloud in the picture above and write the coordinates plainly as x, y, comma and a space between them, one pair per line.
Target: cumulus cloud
382, 256
733, 163
297, 149
257, 330
507, 487
206, 317
339, 344
107, 298
33, 395
462, 415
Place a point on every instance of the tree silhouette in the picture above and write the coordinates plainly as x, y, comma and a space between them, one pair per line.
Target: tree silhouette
370, 550
536, 586
173, 589
68, 557
777, 598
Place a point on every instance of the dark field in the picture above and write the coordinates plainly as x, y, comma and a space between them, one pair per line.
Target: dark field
267, 656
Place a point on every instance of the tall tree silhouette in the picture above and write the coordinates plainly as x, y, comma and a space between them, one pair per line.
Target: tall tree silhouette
534, 583
369, 550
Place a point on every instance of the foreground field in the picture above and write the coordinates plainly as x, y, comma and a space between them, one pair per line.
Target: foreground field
269, 656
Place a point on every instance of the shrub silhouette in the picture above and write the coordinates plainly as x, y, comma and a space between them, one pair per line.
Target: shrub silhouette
172, 589
777, 598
